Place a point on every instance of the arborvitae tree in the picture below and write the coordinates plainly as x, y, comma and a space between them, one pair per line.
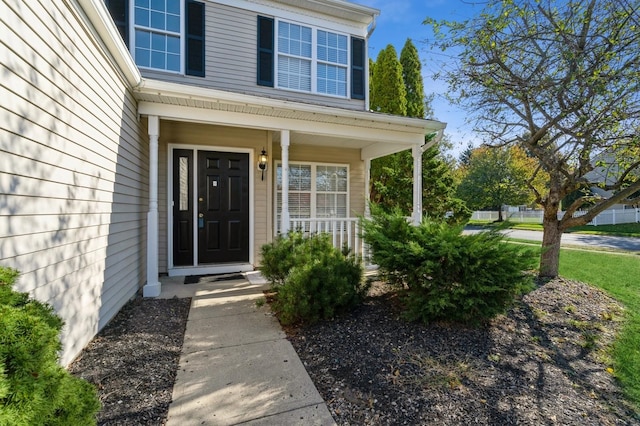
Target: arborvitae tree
412, 77
392, 175
389, 94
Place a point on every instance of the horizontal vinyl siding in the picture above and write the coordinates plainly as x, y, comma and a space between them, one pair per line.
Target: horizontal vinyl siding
73, 175
218, 137
231, 60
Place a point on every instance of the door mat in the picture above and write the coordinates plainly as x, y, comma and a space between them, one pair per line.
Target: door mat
196, 279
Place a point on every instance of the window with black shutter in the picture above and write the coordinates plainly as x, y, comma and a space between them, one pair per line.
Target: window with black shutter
119, 10
194, 64
357, 68
265, 51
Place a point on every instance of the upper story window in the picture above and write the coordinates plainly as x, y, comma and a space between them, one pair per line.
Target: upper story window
312, 60
298, 57
158, 34
165, 35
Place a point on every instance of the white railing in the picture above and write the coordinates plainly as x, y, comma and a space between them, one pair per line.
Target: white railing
607, 217
343, 231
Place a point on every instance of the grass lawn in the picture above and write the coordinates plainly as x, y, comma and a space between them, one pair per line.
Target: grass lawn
624, 229
618, 276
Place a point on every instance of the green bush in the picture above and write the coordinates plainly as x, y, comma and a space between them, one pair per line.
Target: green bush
316, 280
279, 257
447, 275
34, 388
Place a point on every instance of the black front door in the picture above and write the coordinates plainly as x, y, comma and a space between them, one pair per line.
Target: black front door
223, 207
221, 225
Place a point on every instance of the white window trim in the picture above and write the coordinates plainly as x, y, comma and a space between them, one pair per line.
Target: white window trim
314, 166
132, 39
314, 59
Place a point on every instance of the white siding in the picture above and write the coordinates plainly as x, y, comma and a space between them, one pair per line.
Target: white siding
231, 60
73, 168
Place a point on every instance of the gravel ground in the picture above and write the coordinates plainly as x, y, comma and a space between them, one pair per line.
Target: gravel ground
133, 361
542, 363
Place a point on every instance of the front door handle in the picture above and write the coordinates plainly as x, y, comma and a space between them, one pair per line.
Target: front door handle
200, 220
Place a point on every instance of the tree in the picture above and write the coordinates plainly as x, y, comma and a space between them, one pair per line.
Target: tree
412, 78
392, 175
388, 93
495, 177
560, 79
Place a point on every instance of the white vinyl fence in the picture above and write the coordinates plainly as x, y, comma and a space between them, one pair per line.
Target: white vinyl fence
607, 217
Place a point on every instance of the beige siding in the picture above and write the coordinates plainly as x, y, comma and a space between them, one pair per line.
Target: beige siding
214, 138
73, 170
231, 40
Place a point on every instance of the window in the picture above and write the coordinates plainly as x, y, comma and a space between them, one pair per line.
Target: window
165, 35
310, 59
301, 67
315, 191
157, 34
294, 56
332, 63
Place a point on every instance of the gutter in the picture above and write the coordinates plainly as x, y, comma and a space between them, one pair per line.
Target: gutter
434, 141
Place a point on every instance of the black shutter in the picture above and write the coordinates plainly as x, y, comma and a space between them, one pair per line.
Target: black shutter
357, 68
119, 10
265, 51
194, 59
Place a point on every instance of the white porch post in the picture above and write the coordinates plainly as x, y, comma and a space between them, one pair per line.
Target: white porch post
367, 187
285, 219
152, 288
416, 152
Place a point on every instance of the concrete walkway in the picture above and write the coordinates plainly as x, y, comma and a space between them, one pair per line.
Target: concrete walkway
236, 366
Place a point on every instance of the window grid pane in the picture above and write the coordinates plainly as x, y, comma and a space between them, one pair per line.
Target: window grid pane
332, 80
157, 34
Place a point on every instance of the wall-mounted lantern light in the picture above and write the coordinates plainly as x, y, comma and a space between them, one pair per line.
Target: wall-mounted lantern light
262, 162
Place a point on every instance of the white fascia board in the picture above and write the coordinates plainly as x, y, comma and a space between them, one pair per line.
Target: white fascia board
101, 20
238, 119
287, 12
195, 93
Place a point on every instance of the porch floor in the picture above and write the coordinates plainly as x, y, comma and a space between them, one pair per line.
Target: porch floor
236, 364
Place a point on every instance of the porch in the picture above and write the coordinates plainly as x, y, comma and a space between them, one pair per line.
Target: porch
295, 166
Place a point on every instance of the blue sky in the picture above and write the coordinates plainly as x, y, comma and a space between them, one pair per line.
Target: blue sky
402, 19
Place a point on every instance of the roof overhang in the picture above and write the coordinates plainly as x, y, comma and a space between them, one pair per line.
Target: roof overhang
374, 134
337, 8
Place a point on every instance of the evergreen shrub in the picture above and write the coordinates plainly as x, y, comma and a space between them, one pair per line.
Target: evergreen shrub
315, 279
34, 388
444, 274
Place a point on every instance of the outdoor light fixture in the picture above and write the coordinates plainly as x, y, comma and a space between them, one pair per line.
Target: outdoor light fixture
262, 162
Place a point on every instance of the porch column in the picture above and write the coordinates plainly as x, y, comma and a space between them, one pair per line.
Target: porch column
285, 219
367, 187
152, 288
416, 152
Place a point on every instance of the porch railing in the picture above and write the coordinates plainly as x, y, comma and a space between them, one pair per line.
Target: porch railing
343, 231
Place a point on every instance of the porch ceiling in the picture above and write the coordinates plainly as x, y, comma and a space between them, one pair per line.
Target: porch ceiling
374, 133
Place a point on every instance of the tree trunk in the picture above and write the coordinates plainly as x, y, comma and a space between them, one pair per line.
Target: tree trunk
550, 256
500, 218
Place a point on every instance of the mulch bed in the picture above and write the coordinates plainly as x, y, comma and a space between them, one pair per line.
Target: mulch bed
133, 361
543, 363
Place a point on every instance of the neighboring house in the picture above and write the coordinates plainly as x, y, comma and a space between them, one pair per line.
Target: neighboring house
607, 171
132, 134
